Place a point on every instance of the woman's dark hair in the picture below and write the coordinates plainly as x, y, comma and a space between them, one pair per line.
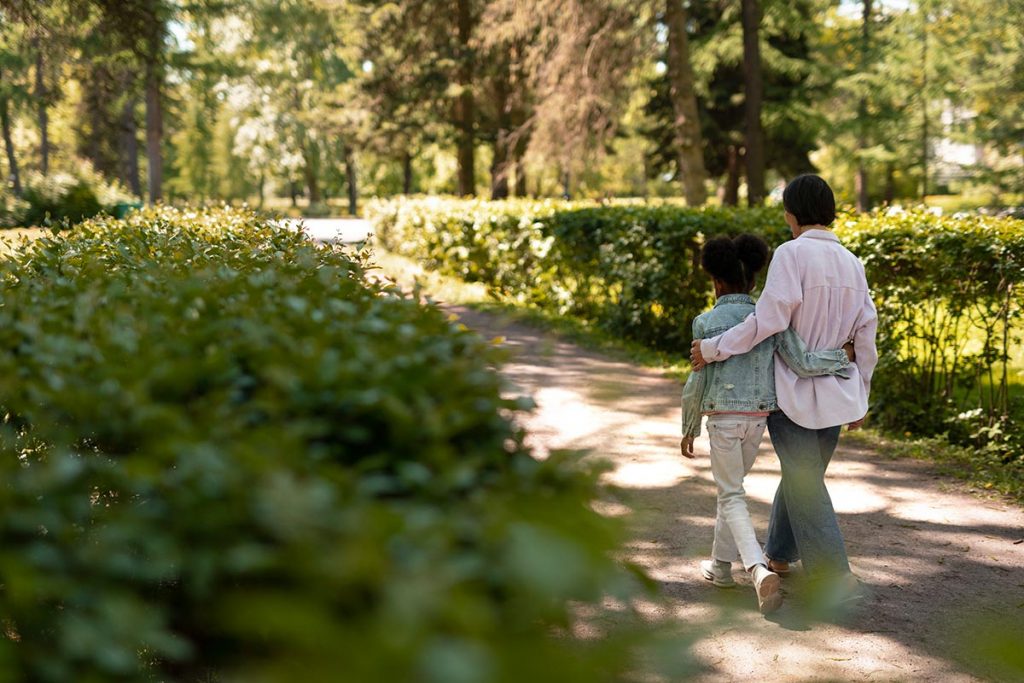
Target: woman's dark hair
810, 199
735, 260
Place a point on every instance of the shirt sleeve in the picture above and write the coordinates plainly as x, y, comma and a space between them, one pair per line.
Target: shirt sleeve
693, 391
804, 363
773, 312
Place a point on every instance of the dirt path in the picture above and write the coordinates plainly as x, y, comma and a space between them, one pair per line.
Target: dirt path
944, 576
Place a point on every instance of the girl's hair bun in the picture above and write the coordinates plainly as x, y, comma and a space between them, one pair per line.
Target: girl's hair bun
753, 251
721, 261
735, 261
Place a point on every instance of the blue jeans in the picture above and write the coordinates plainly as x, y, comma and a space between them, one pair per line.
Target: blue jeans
803, 523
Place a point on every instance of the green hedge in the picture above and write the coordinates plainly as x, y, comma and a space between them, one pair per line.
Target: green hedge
632, 269
950, 295
949, 290
226, 455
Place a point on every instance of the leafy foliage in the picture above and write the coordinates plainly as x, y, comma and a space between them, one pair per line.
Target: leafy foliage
228, 455
948, 291
633, 269
69, 198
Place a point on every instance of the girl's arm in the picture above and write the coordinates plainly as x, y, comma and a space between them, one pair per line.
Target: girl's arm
693, 391
806, 363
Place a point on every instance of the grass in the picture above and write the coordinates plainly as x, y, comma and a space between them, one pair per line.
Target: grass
985, 476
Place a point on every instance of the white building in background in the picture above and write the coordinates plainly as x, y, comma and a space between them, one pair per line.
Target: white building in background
953, 160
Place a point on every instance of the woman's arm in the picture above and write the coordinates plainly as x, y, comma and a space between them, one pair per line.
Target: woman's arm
772, 313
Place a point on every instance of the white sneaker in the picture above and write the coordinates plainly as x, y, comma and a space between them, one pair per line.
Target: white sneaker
769, 589
718, 573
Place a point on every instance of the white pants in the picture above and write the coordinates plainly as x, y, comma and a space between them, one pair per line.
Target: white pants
734, 443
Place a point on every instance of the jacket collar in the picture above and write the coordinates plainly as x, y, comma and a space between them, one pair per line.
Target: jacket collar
734, 299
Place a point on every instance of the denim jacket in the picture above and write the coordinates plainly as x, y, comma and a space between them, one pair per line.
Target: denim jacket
746, 383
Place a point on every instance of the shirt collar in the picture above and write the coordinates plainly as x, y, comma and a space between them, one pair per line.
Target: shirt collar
734, 299
820, 234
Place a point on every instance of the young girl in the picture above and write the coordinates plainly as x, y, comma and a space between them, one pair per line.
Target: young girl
737, 395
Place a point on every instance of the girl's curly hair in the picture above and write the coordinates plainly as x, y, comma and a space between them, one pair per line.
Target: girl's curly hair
735, 261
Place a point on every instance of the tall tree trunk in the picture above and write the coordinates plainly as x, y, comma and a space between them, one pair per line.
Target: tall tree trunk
890, 182
154, 130
12, 160
466, 104
310, 175
754, 89
924, 103
130, 147
406, 172
44, 117
731, 193
154, 74
863, 196
690, 153
520, 181
501, 166
350, 176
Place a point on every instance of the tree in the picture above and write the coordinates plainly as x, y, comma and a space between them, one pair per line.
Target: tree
754, 95
682, 93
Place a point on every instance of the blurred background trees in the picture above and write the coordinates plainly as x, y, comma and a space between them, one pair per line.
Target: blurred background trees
316, 103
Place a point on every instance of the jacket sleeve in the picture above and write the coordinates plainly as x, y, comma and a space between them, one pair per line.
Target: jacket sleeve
864, 342
806, 363
693, 391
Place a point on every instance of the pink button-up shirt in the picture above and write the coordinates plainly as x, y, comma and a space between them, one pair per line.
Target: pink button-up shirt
818, 287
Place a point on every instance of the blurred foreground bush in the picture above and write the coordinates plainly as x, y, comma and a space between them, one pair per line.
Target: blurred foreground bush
226, 455
949, 291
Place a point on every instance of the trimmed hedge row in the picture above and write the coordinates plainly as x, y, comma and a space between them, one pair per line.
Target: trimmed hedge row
949, 290
226, 455
632, 269
950, 297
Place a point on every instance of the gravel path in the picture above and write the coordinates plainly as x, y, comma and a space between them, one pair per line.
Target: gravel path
944, 576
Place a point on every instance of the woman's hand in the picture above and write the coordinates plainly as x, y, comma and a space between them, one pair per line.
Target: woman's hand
851, 355
686, 447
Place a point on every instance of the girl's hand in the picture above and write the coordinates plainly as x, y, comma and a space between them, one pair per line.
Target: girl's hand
686, 447
696, 357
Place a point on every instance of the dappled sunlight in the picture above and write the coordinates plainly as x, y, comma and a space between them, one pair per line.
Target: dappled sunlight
927, 554
649, 474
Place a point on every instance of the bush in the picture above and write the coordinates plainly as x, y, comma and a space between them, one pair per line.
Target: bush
12, 209
632, 269
69, 198
949, 290
228, 456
